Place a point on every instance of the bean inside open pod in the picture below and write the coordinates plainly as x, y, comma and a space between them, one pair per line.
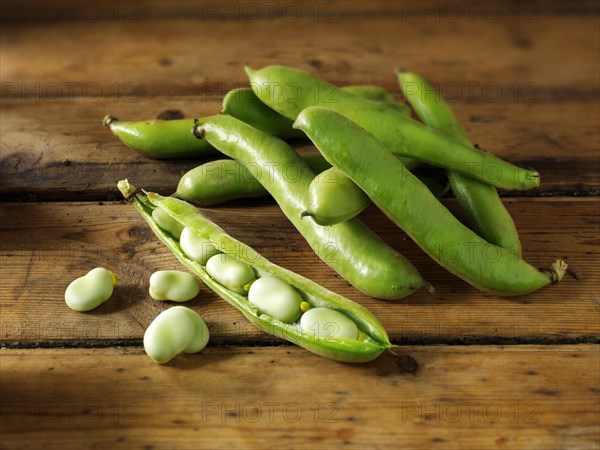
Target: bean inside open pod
371, 338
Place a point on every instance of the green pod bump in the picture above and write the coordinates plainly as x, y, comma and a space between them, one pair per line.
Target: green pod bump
91, 290
333, 198
173, 285
484, 210
196, 247
350, 248
174, 331
409, 204
399, 133
244, 105
167, 223
370, 342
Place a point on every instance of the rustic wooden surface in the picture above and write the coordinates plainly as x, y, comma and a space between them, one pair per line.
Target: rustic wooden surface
474, 371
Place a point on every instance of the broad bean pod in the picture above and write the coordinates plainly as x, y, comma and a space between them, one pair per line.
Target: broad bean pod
223, 180
398, 132
356, 253
484, 210
369, 343
411, 206
166, 139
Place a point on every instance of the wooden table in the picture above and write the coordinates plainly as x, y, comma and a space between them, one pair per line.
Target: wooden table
475, 371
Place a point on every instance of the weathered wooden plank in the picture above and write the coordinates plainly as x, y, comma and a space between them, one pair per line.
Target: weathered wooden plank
458, 398
59, 150
186, 56
251, 10
45, 246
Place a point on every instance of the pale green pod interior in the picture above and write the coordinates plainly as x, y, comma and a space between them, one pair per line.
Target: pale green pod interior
91, 290
230, 272
173, 285
167, 223
364, 346
276, 298
196, 247
325, 323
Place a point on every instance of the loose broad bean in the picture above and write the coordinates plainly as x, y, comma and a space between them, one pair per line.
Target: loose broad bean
409, 204
196, 247
398, 132
485, 212
349, 248
173, 285
276, 298
167, 223
176, 330
235, 275
367, 344
91, 290
325, 323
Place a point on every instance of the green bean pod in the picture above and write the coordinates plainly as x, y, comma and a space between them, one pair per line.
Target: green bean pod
370, 342
167, 139
349, 248
485, 212
410, 205
223, 180
244, 105
159, 139
399, 133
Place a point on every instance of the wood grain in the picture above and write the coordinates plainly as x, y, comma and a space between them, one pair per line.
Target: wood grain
202, 53
457, 398
45, 246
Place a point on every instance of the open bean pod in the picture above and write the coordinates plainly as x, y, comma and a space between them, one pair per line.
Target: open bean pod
371, 338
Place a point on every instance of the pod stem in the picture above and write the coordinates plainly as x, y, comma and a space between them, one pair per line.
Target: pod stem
198, 131
556, 271
429, 287
128, 190
108, 120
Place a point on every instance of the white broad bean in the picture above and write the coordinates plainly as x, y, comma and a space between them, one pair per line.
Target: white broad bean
91, 290
173, 285
325, 323
275, 298
167, 223
176, 330
235, 275
195, 247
